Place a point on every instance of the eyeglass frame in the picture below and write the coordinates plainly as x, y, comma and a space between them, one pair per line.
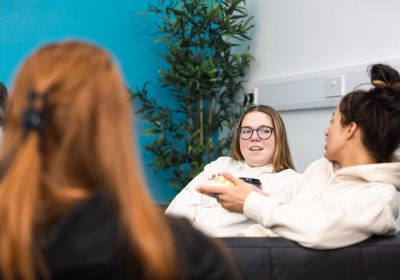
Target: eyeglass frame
252, 131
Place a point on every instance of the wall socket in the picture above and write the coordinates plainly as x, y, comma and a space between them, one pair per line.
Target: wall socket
250, 97
334, 86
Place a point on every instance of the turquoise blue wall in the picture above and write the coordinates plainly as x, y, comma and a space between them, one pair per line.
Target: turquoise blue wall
113, 24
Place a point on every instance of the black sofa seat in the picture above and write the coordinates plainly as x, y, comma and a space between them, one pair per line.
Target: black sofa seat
377, 258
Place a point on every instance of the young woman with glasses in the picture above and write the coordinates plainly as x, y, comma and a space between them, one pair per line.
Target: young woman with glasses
351, 193
260, 150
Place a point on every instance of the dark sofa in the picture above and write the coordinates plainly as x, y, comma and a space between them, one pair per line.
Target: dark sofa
377, 258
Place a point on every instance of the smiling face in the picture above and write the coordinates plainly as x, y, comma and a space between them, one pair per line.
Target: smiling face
256, 151
335, 138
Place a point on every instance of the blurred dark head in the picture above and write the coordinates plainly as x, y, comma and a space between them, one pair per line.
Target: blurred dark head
3, 99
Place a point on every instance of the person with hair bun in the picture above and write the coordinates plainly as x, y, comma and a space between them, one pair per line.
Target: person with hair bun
260, 150
351, 193
73, 201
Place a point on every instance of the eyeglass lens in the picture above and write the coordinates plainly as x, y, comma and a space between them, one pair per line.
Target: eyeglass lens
264, 132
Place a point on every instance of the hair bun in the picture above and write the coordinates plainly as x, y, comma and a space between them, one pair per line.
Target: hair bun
385, 76
394, 87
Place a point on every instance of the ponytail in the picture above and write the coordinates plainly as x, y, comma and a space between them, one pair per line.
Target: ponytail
19, 195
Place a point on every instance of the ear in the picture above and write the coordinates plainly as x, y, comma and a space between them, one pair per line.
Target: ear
351, 130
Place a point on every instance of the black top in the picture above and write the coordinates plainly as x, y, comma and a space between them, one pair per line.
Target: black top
85, 244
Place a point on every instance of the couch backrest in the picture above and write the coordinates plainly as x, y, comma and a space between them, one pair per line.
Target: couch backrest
377, 258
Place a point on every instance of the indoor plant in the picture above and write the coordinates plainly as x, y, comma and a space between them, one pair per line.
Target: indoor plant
204, 79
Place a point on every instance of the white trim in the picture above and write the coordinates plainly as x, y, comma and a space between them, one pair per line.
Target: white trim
323, 73
307, 104
307, 91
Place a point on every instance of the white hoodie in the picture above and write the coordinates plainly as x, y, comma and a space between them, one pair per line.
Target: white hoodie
206, 214
328, 207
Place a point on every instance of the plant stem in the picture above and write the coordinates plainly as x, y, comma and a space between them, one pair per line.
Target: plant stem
201, 137
210, 119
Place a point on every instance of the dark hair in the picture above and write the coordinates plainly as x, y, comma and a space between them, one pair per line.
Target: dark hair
282, 158
3, 101
376, 112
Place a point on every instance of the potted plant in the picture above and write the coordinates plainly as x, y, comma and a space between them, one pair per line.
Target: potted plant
203, 80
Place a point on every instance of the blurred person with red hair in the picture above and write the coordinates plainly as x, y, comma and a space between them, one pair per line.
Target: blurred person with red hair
73, 201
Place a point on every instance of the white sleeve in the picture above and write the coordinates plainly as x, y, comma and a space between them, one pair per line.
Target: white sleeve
185, 203
277, 182
296, 181
328, 225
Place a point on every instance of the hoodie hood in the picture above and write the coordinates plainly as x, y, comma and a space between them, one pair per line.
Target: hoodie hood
260, 169
387, 173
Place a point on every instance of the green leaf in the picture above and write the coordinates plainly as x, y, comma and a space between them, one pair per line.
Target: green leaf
150, 131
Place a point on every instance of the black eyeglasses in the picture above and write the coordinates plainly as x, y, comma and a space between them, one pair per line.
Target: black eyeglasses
264, 132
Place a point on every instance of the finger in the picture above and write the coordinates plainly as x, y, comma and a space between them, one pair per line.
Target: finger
260, 191
208, 190
232, 178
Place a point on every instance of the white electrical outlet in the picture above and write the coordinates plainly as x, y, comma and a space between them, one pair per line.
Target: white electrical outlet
334, 86
253, 95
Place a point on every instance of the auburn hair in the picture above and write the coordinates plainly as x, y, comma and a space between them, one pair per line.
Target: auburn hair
87, 143
282, 159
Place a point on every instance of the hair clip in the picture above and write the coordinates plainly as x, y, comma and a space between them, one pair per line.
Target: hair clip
33, 119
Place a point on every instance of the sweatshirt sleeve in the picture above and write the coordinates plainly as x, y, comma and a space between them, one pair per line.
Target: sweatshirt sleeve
330, 224
185, 203
277, 183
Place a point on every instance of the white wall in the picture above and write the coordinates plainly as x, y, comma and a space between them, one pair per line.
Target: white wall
294, 37
298, 43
